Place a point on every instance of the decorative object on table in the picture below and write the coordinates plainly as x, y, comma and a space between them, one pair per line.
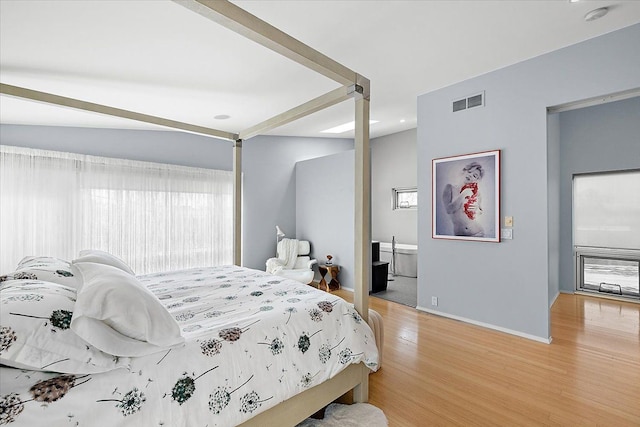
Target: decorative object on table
333, 271
466, 197
329, 258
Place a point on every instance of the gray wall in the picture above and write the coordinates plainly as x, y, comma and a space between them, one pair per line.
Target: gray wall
325, 210
268, 167
506, 285
594, 139
325, 204
178, 148
553, 188
393, 165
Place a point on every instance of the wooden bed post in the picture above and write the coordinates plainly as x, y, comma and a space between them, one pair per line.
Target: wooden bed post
362, 239
237, 202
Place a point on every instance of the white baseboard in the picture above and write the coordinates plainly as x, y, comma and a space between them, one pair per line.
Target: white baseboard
482, 324
487, 325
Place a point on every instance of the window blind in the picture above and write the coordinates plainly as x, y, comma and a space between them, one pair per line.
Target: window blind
606, 210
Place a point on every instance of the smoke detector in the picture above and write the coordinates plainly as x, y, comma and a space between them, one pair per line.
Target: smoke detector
596, 14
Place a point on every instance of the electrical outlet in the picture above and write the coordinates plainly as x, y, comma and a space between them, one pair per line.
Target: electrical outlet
506, 234
434, 301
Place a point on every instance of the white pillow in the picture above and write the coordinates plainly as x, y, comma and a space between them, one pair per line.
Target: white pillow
118, 315
38, 261
304, 247
35, 332
102, 257
48, 269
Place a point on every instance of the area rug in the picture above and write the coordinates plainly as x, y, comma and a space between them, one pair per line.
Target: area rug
400, 289
356, 415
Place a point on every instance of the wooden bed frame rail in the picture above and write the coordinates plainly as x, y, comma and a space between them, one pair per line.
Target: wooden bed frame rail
294, 410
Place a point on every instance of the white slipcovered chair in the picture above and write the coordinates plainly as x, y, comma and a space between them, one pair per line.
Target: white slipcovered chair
293, 261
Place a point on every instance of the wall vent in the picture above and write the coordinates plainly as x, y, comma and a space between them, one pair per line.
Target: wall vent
459, 105
472, 101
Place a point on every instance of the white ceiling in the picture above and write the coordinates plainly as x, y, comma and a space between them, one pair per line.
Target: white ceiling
159, 58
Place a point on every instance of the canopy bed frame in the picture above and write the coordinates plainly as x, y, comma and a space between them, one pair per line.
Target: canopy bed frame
353, 86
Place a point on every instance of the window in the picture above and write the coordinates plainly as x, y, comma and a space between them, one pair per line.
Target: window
157, 217
606, 233
612, 272
405, 198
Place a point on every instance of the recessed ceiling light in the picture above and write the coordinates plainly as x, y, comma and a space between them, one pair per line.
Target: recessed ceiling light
345, 127
222, 117
574, 1
596, 14
402, 120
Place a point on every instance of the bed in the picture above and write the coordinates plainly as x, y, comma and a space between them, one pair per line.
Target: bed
353, 86
251, 342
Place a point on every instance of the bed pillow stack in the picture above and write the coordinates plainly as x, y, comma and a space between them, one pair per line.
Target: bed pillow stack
118, 315
49, 269
85, 316
35, 330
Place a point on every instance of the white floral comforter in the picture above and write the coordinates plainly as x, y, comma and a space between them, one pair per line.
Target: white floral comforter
252, 341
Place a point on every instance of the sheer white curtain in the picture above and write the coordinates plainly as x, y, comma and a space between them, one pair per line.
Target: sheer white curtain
154, 216
37, 205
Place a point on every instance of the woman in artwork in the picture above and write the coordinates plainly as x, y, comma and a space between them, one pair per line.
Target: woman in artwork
463, 202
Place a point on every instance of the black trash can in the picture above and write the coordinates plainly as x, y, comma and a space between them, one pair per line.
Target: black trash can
380, 270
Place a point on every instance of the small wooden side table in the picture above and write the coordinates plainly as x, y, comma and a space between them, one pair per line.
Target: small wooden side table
333, 270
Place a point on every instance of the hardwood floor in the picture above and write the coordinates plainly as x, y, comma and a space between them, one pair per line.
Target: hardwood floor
441, 372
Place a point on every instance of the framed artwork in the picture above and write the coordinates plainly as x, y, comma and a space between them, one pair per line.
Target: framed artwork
466, 197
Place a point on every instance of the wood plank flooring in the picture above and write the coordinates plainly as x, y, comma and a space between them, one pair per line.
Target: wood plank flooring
441, 372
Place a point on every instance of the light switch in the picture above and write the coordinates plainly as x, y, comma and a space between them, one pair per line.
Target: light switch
508, 221
506, 234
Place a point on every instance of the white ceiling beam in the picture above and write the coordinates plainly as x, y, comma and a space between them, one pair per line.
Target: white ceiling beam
324, 101
63, 101
242, 22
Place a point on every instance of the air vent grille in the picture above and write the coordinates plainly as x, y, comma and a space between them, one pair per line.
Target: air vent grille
461, 104
472, 101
